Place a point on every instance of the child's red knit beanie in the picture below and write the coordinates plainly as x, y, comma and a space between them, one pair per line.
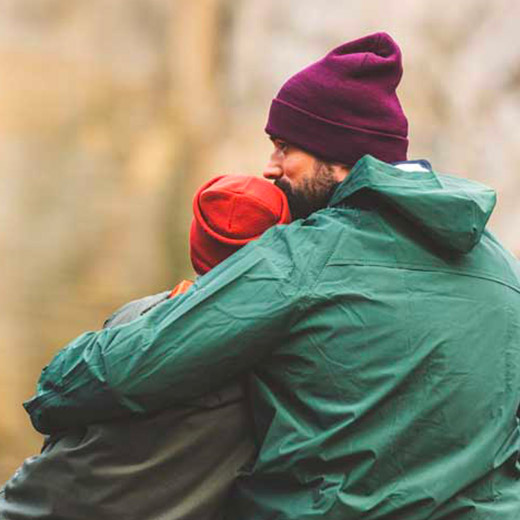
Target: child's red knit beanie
228, 212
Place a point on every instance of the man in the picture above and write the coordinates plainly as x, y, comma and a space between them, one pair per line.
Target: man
381, 330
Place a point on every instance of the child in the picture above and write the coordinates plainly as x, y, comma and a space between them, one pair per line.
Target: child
177, 464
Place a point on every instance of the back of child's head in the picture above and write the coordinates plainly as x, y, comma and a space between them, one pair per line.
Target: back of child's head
230, 211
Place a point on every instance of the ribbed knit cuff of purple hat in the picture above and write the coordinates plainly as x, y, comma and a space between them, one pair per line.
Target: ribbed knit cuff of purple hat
329, 140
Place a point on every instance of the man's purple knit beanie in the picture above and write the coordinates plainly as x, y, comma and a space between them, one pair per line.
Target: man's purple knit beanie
345, 105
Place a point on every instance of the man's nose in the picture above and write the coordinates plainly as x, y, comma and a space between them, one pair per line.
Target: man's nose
272, 171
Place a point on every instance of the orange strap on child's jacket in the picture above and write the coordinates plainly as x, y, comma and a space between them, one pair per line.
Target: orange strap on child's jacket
180, 288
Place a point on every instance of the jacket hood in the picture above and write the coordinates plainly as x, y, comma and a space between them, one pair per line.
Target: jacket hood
453, 212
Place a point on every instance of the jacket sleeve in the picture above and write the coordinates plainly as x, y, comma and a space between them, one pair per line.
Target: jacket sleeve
229, 320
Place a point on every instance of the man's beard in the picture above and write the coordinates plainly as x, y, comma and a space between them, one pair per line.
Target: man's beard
314, 193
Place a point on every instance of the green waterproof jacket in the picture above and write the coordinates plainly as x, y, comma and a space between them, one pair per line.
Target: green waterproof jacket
383, 338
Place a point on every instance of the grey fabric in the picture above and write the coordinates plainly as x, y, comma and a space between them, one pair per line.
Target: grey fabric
134, 309
175, 465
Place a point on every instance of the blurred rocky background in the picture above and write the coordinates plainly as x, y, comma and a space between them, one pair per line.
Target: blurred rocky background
113, 111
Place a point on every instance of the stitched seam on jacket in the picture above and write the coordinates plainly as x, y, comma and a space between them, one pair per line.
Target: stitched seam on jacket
429, 270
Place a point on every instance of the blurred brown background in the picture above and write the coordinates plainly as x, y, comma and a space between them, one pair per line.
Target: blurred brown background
113, 111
